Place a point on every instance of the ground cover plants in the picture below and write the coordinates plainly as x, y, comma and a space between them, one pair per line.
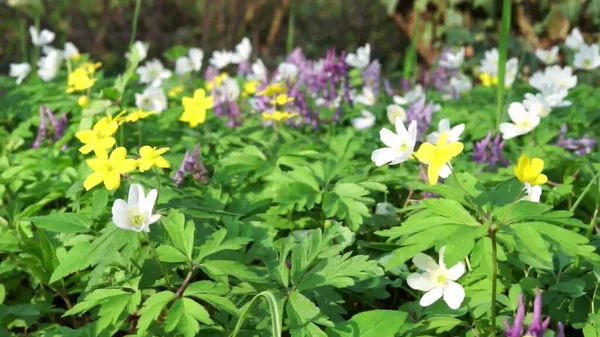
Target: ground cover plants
206, 194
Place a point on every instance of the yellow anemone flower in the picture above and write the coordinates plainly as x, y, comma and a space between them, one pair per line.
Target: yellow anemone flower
108, 169
250, 87
438, 155
150, 156
194, 108
136, 115
79, 80
83, 101
175, 91
100, 137
282, 99
273, 89
216, 82
90, 67
530, 170
278, 116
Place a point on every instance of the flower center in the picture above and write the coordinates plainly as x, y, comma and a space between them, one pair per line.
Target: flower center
137, 217
524, 124
442, 279
403, 147
587, 62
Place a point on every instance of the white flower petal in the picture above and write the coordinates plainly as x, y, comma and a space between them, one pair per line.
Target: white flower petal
136, 195
431, 296
424, 262
384, 156
454, 294
420, 282
390, 139
456, 271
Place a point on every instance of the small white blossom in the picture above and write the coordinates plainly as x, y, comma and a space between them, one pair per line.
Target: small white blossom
548, 57
259, 71
367, 97
553, 79
220, 59
461, 84
49, 65
153, 72
453, 133
135, 214
366, 121
229, 89
575, 40
20, 71
242, 51
489, 63
437, 280
394, 111
142, 50
361, 59
287, 71
399, 145
523, 121
511, 70
537, 104
70, 51
43, 38
453, 60
587, 57
152, 99
532, 193
189, 63
410, 97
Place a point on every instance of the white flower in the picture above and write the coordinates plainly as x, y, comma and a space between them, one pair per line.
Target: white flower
367, 97
49, 65
453, 60
553, 79
135, 214
537, 104
242, 51
437, 280
365, 122
555, 98
259, 71
152, 99
410, 97
511, 69
532, 193
20, 71
362, 57
549, 56
400, 145
220, 59
41, 38
287, 71
394, 111
229, 89
153, 72
192, 62
453, 133
461, 84
575, 40
523, 121
489, 63
588, 57
142, 50
70, 51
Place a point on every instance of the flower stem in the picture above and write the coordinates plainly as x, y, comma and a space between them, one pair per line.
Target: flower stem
502, 55
136, 13
164, 271
492, 233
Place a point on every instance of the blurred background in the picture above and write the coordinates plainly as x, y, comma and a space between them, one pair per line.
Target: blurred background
103, 27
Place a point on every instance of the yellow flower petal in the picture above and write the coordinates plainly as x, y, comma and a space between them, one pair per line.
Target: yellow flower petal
92, 180
162, 162
112, 181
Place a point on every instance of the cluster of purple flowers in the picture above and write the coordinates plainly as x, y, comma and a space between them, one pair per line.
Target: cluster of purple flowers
580, 146
488, 151
537, 326
58, 125
422, 112
192, 163
448, 80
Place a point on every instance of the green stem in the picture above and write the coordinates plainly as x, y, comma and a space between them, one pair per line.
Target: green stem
493, 230
36, 50
291, 24
274, 311
136, 14
23, 35
502, 55
164, 271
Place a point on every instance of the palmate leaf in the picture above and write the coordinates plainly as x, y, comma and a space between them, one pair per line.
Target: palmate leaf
301, 313
180, 232
153, 306
185, 315
218, 242
374, 323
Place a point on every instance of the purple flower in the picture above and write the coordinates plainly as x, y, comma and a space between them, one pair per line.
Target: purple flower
370, 76
59, 125
489, 152
41, 134
244, 68
537, 326
210, 73
580, 146
422, 113
192, 164
387, 87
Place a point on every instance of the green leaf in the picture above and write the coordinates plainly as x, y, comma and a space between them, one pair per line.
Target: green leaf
178, 232
452, 210
300, 310
170, 254
153, 306
460, 244
374, 323
217, 243
339, 271
185, 316
62, 222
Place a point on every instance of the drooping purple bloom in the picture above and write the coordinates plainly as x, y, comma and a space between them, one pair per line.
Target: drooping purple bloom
41, 133
489, 152
371, 75
192, 163
59, 125
422, 113
244, 68
537, 326
387, 87
210, 73
580, 146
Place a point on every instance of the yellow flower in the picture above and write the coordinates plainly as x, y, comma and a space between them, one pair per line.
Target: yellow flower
135, 116
530, 170
273, 89
250, 87
108, 169
79, 80
175, 91
438, 155
83, 101
150, 156
278, 116
100, 137
90, 67
282, 99
216, 82
194, 109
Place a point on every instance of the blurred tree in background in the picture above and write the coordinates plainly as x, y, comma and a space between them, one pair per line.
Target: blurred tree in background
103, 27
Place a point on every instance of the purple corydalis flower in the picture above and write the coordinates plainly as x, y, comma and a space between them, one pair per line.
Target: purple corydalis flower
191, 163
537, 326
489, 152
580, 146
59, 125
41, 134
387, 87
210, 73
244, 68
371, 75
422, 113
